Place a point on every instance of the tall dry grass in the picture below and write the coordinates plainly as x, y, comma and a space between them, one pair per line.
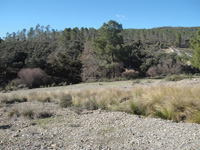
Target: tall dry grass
172, 103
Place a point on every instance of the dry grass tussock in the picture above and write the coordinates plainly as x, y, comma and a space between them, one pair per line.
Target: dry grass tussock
172, 103
29, 112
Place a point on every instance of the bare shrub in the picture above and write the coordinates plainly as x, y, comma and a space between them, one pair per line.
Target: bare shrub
152, 71
91, 69
130, 74
166, 67
95, 67
32, 78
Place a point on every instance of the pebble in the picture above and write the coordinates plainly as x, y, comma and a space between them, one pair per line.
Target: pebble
15, 135
102, 131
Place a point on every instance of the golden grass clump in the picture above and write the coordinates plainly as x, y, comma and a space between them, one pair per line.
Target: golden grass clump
172, 103
109, 99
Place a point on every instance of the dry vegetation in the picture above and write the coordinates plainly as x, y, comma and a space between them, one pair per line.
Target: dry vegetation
177, 103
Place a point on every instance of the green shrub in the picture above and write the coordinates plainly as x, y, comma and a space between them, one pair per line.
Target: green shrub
102, 105
137, 109
196, 117
62, 84
136, 81
164, 112
11, 83
174, 78
53, 84
197, 74
66, 101
91, 104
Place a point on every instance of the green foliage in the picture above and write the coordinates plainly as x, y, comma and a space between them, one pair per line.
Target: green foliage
195, 46
165, 113
175, 77
91, 104
178, 40
66, 100
196, 117
12, 83
190, 76
109, 42
60, 53
165, 36
183, 58
64, 67
136, 81
137, 108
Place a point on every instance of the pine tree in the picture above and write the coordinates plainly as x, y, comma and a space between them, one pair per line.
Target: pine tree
109, 42
178, 40
195, 45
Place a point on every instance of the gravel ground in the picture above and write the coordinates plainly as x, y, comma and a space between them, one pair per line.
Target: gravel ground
95, 130
91, 130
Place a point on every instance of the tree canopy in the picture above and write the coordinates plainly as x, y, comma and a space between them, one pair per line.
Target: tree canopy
74, 55
109, 42
195, 45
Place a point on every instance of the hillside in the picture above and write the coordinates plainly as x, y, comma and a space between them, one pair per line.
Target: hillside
78, 55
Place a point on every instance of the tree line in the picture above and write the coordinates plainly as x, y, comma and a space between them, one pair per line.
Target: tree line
76, 55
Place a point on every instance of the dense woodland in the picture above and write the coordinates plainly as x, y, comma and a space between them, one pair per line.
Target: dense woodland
76, 55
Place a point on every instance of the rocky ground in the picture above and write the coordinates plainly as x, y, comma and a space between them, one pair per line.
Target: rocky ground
67, 129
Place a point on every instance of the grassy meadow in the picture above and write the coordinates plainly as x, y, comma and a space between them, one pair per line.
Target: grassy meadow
177, 103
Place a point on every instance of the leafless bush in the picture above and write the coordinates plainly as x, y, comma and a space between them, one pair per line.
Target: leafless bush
91, 70
31, 77
152, 71
130, 74
166, 67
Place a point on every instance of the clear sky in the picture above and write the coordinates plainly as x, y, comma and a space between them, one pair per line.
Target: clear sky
60, 14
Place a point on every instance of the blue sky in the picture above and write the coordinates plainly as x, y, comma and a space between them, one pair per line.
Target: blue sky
60, 14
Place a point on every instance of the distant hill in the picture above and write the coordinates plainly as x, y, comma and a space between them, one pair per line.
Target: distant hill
168, 36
